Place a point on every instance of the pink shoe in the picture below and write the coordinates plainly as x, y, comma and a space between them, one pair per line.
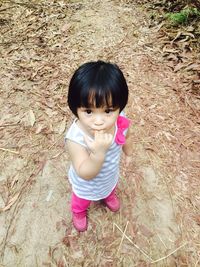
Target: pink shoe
80, 221
112, 202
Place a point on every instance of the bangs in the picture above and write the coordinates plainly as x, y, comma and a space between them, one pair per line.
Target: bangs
98, 98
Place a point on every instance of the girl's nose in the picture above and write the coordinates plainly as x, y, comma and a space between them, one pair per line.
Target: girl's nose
98, 120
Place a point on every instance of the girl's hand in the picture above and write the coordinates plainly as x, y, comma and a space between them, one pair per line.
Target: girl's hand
101, 142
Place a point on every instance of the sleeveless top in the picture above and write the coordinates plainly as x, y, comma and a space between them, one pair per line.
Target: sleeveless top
102, 185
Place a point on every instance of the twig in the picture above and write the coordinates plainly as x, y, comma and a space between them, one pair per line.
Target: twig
169, 254
4, 9
8, 124
197, 262
51, 146
24, 4
8, 150
161, 240
123, 237
64, 259
58, 154
133, 243
188, 103
152, 261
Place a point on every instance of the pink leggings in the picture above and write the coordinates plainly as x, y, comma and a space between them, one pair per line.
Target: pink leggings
80, 205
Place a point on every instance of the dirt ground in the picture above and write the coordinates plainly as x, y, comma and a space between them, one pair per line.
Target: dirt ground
42, 43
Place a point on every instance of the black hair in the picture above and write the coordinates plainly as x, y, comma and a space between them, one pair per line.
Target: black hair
95, 84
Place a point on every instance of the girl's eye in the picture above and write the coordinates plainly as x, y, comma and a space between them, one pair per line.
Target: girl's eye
108, 110
88, 111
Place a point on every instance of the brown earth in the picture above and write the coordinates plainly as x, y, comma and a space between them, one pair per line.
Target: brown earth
158, 225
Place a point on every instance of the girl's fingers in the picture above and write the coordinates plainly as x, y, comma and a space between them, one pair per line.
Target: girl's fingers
102, 140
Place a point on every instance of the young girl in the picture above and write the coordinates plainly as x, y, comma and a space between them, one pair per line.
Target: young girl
97, 95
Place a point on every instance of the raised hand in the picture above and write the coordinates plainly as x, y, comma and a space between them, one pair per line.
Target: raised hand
101, 142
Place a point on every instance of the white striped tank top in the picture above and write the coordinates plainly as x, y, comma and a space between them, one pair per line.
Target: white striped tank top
102, 185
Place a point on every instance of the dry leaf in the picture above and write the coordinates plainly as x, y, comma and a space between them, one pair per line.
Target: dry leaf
177, 36
168, 135
11, 202
39, 128
168, 50
194, 66
65, 27
197, 219
179, 66
190, 29
31, 117
62, 127
188, 34
145, 231
15, 180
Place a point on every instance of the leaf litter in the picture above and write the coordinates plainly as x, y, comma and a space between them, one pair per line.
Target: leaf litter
42, 44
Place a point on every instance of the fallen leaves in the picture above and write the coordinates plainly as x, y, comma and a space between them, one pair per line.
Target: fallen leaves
179, 44
10, 203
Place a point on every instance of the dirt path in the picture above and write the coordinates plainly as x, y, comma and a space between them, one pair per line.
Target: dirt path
159, 191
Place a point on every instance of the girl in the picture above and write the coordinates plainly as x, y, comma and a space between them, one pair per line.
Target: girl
97, 95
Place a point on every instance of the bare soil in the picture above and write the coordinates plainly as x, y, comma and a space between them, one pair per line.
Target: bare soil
43, 42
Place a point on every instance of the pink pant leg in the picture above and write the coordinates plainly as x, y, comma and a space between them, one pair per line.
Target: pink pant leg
111, 194
79, 204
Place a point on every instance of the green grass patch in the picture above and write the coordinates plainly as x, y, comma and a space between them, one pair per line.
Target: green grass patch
184, 16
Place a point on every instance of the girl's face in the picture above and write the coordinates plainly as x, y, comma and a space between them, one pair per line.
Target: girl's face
98, 119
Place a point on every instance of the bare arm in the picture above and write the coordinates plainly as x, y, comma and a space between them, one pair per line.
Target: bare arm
88, 165
128, 147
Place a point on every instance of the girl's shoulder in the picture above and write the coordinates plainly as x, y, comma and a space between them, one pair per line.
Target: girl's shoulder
123, 114
75, 134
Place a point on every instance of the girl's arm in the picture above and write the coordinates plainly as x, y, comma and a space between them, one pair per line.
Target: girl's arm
128, 147
88, 165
